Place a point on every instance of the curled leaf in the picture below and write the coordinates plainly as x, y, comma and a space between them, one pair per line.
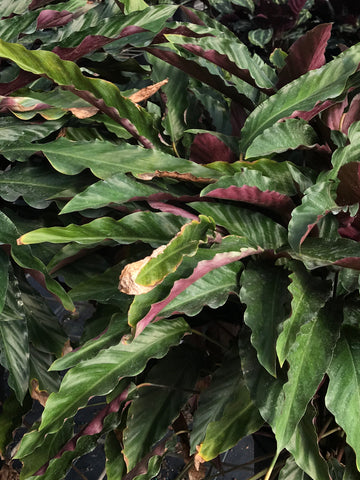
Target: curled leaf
128, 275
147, 92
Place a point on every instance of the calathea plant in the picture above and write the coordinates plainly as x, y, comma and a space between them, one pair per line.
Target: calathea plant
201, 205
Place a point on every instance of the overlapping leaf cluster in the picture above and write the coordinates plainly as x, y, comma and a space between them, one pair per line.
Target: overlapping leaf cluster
200, 204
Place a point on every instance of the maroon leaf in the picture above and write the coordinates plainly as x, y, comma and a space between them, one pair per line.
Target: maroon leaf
191, 14
352, 115
201, 269
278, 202
296, 5
94, 42
307, 53
14, 104
333, 116
200, 73
348, 191
52, 18
321, 106
20, 81
207, 148
237, 118
39, 3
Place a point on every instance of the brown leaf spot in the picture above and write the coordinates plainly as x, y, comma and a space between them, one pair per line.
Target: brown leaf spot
84, 112
129, 273
40, 395
147, 92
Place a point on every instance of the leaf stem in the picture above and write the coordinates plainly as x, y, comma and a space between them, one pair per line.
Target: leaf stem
197, 332
271, 468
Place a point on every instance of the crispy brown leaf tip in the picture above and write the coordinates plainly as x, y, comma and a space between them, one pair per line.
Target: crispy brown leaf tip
84, 112
129, 273
40, 395
147, 92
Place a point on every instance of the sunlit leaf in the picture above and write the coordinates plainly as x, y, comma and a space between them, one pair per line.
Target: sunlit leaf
153, 228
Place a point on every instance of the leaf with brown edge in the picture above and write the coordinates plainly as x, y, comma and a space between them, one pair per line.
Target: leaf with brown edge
127, 283
185, 243
40, 395
232, 249
147, 92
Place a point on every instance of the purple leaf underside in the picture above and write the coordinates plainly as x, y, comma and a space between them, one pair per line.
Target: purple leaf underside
169, 208
201, 269
53, 18
207, 148
268, 199
307, 53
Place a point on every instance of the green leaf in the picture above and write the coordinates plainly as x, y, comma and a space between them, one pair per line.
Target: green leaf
88, 289
72, 158
185, 243
23, 256
12, 129
111, 336
282, 136
320, 252
115, 464
176, 96
4, 277
309, 295
292, 472
306, 371
260, 229
264, 292
14, 341
258, 380
134, 5
34, 455
99, 375
303, 93
152, 228
304, 447
190, 304
343, 395
234, 50
212, 289
260, 37
160, 398
240, 418
223, 390
118, 188
95, 90
37, 184
11, 416
318, 201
